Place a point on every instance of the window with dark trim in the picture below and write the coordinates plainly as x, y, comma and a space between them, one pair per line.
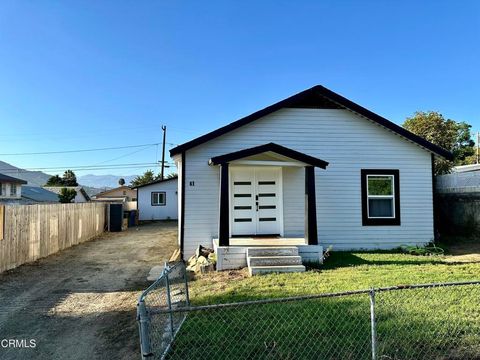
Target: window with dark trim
380, 197
159, 198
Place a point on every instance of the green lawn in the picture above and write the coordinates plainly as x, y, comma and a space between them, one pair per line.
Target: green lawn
412, 324
342, 271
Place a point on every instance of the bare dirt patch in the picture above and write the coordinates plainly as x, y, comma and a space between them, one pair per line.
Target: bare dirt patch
81, 303
464, 251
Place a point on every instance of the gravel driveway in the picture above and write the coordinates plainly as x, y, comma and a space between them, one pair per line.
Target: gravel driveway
81, 302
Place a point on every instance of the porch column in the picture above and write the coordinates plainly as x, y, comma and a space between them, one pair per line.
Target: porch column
310, 207
223, 221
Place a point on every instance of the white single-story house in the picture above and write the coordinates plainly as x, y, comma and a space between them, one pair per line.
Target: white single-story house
81, 196
311, 171
158, 200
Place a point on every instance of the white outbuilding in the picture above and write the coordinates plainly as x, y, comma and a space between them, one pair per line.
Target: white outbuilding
158, 200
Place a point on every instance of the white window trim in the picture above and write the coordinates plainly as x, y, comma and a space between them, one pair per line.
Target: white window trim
153, 193
380, 197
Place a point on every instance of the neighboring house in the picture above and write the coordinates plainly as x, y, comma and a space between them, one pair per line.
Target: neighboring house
38, 195
10, 189
310, 171
81, 196
158, 200
123, 193
463, 179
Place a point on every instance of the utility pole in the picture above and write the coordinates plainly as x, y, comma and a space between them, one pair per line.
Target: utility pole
164, 128
478, 146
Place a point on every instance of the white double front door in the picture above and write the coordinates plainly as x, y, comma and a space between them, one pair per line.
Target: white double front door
256, 200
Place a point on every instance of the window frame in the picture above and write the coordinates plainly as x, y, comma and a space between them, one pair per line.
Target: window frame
153, 193
380, 221
13, 190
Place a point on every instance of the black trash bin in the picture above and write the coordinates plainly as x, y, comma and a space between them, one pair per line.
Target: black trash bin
116, 217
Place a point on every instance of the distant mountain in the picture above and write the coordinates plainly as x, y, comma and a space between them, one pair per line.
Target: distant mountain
34, 178
103, 181
38, 178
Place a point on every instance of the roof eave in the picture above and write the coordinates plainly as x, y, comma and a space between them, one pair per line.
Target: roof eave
292, 100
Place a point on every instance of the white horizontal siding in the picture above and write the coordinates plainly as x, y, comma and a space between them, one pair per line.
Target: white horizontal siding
144, 200
346, 140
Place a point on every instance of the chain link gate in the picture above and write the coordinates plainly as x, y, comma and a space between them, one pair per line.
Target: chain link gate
429, 321
158, 323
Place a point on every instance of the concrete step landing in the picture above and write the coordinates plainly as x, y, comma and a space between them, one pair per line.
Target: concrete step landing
264, 260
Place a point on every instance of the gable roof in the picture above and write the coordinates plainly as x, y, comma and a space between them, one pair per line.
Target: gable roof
156, 182
278, 149
39, 194
123, 187
315, 97
11, 179
58, 189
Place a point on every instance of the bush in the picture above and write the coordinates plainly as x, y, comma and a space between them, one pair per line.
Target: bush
428, 250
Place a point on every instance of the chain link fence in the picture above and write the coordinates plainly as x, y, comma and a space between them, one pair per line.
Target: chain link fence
158, 322
432, 321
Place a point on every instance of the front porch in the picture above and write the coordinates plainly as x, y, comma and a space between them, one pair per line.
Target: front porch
234, 256
255, 219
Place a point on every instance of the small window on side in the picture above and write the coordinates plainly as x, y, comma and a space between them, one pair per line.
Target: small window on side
159, 198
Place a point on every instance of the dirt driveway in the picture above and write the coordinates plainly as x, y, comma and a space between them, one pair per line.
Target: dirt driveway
81, 303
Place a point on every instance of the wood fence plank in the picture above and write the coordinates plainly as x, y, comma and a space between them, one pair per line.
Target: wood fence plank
31, 232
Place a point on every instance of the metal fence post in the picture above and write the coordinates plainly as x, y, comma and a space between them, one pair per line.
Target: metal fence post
373, 324
187, 296
143, 322
169, 302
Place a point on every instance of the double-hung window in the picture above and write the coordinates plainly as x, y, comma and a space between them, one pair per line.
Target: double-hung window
13, 189
159, 198
380, 197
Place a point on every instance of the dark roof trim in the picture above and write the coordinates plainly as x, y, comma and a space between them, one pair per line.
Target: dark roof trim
155, 182
11, 179
278, 149
317, 92
84, 193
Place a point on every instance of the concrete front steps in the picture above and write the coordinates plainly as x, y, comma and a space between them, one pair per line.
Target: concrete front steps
264, 260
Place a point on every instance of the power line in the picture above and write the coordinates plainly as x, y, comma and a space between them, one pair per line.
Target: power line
82, 167
81, 150
125, 155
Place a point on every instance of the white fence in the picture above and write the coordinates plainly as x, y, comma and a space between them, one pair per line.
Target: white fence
458, 182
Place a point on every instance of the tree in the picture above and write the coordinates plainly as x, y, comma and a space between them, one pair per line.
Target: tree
66, 195
121, 181
446, 133
147, 177
69, 178
54, 181
171, 175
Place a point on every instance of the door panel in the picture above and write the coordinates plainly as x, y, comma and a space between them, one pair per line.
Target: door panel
268, 194
243, 201
255, 200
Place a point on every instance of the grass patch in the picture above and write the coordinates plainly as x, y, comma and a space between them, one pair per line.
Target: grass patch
433, 323
342, 271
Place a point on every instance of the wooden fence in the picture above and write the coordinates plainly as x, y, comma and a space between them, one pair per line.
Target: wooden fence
31, 232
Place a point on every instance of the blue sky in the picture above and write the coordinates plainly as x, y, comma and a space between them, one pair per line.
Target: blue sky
91, 74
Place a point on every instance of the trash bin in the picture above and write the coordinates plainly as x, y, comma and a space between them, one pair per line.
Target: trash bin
116, 217
131, 218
